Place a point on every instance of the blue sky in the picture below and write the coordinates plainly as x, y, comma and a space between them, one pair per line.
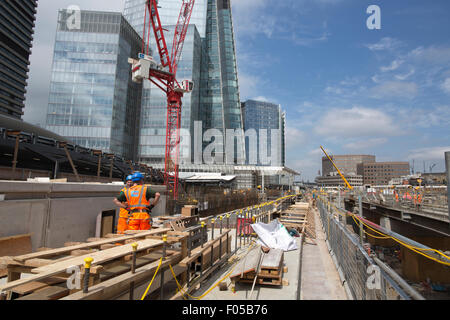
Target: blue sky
353, 90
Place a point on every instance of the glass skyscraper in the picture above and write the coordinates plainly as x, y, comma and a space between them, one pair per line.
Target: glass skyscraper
92, 99
16, 35
269, 116
213, 70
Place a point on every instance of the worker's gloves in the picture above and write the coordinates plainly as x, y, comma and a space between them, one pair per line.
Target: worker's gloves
150, 207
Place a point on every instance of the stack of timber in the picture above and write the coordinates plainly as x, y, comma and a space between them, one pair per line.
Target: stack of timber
179, 223
295, 217
310, 230
49, 271
266, 267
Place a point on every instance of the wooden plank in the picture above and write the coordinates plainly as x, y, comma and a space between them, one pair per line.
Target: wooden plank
207, 253
65, 250
272, 259
49, 293
99, 256
292, 221
117, 270
199, 250
113, 287
248, 264
60, 267
193, 284
72, 243
15, 245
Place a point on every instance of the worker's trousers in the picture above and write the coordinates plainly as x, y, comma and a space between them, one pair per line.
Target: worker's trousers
139, 221
122, 225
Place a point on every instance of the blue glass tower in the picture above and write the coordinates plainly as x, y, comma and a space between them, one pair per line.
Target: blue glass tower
92, 99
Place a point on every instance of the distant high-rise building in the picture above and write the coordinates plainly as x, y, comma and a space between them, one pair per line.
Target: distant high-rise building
380, 173
16, 36
92, 99
210, 63
347, 164
219, 88
268, 121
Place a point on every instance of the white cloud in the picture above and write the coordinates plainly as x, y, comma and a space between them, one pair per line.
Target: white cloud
431, 153
295, 138
395, 89
357, 121
394, 66
405, 76
262, 99
386, 43
445, 86
365, 144
249, 85
333, 90
433, 55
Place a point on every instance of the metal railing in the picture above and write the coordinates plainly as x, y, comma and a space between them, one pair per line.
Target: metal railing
363, 277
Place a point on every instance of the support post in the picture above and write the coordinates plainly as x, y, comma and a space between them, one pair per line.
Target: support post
16, 151
161, 288
203, 234
55, 172
133, 269
99, 163
361, 230
64, 145
447, 168
87, 271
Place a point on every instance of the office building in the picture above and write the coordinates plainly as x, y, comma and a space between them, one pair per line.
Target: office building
92, 99
380, 173
268, 122
335, 180
347, 164
16, 36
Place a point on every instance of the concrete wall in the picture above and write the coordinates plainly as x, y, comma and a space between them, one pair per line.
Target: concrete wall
56, 213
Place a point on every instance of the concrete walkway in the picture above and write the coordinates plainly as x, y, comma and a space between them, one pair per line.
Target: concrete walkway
319, 278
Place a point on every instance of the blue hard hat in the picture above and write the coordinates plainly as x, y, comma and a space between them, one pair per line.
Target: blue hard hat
129, 177
137, 176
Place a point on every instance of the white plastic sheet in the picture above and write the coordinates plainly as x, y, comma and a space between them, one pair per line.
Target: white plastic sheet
274, 235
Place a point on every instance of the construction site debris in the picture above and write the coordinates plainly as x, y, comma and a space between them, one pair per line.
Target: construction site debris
274, 235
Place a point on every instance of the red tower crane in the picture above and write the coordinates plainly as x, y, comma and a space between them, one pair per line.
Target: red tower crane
164, 77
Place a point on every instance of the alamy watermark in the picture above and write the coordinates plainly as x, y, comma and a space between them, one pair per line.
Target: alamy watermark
232, 146
73, 21
374, 280
374, 20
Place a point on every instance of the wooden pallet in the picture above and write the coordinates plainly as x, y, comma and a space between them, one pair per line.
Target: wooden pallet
270, 272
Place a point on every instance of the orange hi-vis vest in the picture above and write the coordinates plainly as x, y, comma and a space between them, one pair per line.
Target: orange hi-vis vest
136, 199
123, 213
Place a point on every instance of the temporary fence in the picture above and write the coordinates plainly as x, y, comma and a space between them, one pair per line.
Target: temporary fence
363, 277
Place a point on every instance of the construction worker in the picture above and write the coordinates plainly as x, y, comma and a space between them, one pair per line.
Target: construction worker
417, 197
137, 199
122, 224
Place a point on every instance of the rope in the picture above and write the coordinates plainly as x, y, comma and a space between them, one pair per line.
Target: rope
150, 284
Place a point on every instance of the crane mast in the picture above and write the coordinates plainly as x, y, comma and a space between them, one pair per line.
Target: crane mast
164, 77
